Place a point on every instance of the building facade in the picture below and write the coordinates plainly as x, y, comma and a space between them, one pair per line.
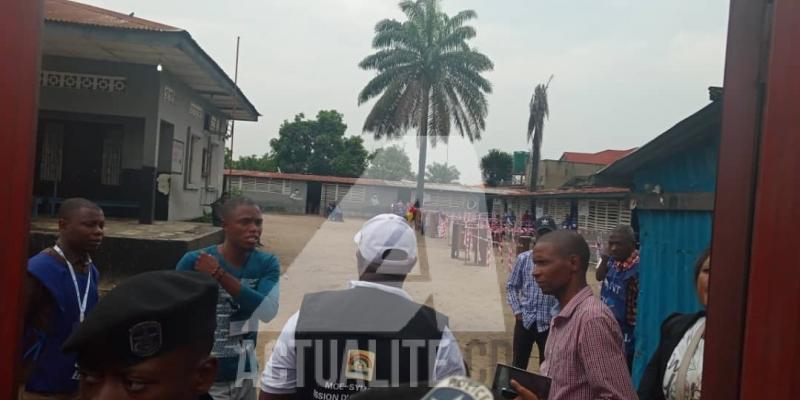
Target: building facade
133, 115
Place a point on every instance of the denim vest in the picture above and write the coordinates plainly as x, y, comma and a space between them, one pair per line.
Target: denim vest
614, 294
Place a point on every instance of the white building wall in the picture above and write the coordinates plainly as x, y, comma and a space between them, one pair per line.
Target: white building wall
181, 107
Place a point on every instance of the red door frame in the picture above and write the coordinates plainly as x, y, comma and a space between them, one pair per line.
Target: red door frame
20, 29
753, 336
772, 330
733, 208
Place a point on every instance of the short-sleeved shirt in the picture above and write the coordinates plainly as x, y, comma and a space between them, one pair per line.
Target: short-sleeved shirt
237, 318
584, 355
280, 374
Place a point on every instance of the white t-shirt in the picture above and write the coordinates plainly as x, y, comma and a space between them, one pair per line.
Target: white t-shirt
694, 375
280, 374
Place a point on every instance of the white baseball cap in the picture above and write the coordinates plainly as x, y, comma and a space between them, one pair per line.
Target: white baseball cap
387, 232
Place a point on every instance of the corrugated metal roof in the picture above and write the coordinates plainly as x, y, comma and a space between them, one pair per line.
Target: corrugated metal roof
604, 157
671, 241
693, 169
692, 130
79, 13
432, 186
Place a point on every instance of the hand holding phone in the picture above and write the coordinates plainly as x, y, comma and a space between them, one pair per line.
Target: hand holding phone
514, 383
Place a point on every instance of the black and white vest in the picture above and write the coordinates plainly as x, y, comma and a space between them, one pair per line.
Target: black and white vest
349, 340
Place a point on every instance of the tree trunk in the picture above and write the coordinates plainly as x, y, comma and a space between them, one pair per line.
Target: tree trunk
535, 156
423, 148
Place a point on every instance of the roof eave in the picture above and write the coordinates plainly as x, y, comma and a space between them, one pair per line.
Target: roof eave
181, 40
689, 130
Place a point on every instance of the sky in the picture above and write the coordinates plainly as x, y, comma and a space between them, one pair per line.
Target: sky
624, 70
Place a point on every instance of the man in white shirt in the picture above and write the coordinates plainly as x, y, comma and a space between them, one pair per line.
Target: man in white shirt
370, 335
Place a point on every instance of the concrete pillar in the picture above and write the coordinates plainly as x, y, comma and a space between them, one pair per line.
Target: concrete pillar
147, 185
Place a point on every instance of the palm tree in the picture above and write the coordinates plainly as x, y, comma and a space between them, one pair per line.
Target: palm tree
442, 173
428, 78
539, 111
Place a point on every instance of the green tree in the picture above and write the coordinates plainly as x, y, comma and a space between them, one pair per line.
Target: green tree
319, 146
539, 111
353, 159
497, 167
390, 163
428, 78
253, 162
442, 173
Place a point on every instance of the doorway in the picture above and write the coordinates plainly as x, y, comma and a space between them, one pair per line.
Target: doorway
166, 134
313, 197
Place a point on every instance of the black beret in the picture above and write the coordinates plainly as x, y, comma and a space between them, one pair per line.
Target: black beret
148, 315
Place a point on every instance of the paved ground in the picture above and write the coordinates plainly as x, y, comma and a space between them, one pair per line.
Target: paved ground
319, 255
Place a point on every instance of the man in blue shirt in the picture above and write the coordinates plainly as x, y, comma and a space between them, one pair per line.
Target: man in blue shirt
532, 309
249, 282
619, 272
60, 290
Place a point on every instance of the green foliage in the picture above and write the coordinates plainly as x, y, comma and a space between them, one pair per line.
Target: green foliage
353, 159
496, 167
253, 162
428, 78
390, 163
442, 173
319, 146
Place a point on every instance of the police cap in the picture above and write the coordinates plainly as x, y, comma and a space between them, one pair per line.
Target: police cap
148, 315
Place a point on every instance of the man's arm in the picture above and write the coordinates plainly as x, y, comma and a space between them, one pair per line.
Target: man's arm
602, 269
513, 285
279, 378
600, 351
449, 361
262, 302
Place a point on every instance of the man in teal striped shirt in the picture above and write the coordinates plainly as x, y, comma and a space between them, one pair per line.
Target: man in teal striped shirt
249, 282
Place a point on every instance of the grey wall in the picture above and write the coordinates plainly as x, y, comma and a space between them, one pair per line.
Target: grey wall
554, 173
187, 202
137, 101
353, 207
281, 202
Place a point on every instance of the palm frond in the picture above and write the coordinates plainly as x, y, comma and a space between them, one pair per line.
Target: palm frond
380, 119
379, 83
539, 111
456, 39
460, 18
384, 59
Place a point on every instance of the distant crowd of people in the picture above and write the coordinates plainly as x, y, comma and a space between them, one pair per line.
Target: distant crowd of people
191, 333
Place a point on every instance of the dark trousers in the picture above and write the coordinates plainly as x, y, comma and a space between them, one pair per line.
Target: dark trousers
523, 344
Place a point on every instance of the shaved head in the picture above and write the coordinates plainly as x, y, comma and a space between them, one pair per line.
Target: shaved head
625, 232
568, 243
70, 206
231, 204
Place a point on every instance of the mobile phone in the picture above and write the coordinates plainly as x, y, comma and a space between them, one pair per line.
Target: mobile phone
538, 384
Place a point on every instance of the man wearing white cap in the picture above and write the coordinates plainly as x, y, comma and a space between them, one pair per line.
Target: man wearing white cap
370, 335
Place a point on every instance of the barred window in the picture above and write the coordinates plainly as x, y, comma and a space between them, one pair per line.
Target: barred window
112, 158
52, 153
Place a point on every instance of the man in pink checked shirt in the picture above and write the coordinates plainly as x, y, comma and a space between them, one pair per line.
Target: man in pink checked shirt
583, 355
